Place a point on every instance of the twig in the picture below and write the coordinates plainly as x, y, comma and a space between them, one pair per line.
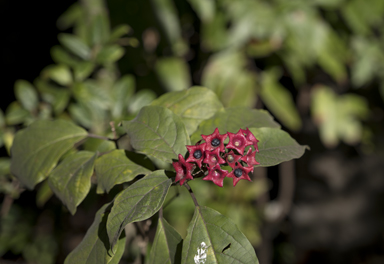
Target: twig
8, 200
192, 194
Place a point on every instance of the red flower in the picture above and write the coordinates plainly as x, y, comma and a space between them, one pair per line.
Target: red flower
216, 174
249, 158
215, 140
213, 157
196, 154
238, 141
250, 137
183, 170
239, 172
231, 158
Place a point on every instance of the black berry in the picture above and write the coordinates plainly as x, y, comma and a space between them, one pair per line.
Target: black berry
238, 173
215, 142
197, 154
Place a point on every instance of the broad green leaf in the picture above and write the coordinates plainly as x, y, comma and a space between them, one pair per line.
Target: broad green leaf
70, 16
75, 45
26, 95
158, 132
214, 238
37, 149
192, 105
44, 193
59, 73
82, 70
122, 91
15, 114
167, 14
61, 56
173, 73
140, 99
109, 54
94, 248
71, 179
5, 165
276, 146
166, 244
227, 75
279, 100
115, 168
138, 202
119, 31
205, 9
100, 29
232, 119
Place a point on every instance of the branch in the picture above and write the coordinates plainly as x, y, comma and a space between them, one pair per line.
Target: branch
192, 194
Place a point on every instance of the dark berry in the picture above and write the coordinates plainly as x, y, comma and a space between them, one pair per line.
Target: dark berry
238, 172
215, 142
197, 154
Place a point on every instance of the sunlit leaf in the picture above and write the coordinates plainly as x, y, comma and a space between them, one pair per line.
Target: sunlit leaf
158, 132
173, 73
71, 179
26, 94
138, 202
61, 56
119, 31
59, 73
37, 149
115, 168
232, 119
279, 100
94, 248
166, 244
75, 45
192, 105
276, 146
216, 239
109, 54
205, 9
82, 70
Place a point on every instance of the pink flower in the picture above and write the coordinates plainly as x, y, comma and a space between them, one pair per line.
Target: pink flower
238, 141
250, 137
213, 157
216, 174
183, 170
239, 172
249, 158
215, 140
196, 154
231, 158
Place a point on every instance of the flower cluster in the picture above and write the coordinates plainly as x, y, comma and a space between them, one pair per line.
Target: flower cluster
206, 158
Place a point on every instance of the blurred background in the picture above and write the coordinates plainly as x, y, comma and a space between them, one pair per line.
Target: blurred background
317, 66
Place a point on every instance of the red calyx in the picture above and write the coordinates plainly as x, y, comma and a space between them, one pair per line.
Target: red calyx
231, 158
239, 172
238, 141
183, 170
249, 158
216, 175
248, 134
195, 152
213, 157
215, 140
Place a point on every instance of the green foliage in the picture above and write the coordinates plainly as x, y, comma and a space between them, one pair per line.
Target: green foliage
223, 242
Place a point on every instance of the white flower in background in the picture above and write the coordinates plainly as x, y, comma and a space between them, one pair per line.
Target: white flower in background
201, 256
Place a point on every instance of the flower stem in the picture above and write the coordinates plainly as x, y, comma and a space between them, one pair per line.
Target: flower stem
192, 194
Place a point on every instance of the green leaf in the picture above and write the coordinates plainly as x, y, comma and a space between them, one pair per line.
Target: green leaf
94, 248
2, 119
15, 114
205, 9
119, 31
71, 179
115, 168
192, 105
156, 131
173, 73
26, 95
122, 91
110, 53
166, 244
59, 73
138, 202
82, 70
218, 239
232, 119
276, 146
279, 100
37, 149
140, 99
100, 29
75, 45
61, 56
